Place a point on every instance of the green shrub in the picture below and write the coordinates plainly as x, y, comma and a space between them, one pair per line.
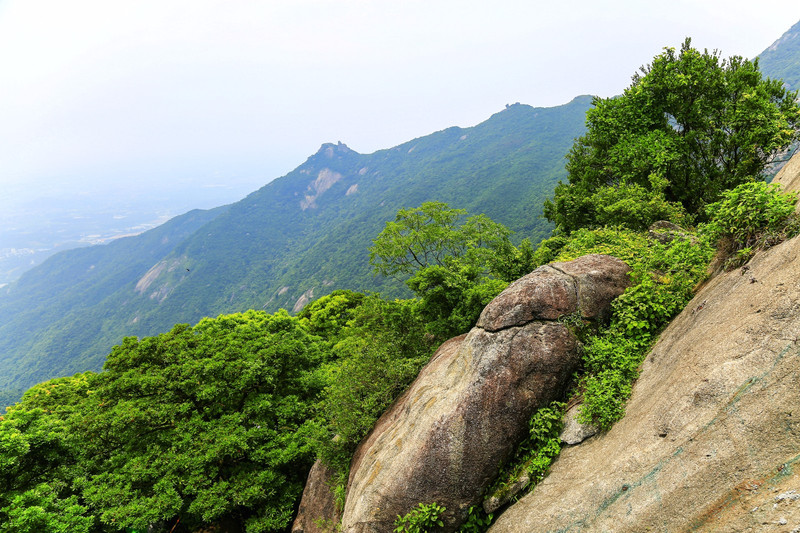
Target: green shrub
535, 454
452, 297
622, 243
605, 394
328, 315
455, 266
378, 354
478, 520
635, 207
421, 519
663, 278
750, 217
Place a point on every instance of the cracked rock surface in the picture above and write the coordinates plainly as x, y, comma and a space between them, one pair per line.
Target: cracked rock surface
444, 440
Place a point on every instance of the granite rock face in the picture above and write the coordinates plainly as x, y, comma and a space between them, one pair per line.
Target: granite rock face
444, 440
711, 436
574, 431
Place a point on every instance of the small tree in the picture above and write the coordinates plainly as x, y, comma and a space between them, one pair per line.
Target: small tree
432, 235
456, 267
690, 126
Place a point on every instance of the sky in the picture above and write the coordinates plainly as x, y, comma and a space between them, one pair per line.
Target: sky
105, 93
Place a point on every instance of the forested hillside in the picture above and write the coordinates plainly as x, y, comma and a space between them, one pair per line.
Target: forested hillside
61, 302
782, 59
296, 239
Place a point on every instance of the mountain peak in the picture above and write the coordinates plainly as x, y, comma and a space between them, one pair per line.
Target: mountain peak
330, 149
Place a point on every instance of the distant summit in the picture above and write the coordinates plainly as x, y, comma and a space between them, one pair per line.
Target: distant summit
782, 58
330, 149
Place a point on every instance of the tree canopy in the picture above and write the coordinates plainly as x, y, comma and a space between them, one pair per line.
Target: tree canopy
690, 126
455, 266
207, 425
201, 423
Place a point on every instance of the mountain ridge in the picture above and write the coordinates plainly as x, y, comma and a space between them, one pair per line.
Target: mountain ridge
297, 238
782, 58
300, 236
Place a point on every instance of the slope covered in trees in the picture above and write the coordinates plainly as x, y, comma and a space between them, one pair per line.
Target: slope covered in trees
782, 59
294, 240
690, 126
60, 303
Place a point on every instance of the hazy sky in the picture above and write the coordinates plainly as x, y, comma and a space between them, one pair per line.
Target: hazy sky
244, 90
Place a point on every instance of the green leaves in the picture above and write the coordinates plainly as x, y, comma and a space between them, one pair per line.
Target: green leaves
749, 217
663, 278
422, 519
39, 459
456, 267
42, 509
535, 454
378, 354
430, 234
690, 126
203, 423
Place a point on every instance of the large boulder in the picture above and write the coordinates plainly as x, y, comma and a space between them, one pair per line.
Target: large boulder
711, 436
445, 439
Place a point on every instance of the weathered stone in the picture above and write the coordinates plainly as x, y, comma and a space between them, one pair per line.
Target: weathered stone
599, 279
317, 512
575, 432
544, 294
711, 434
588, 284
493, 503
444, 440
789, 176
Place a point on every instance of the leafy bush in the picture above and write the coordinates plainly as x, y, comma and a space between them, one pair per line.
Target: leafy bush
328, 315
622, 243
452, 297
477, 521
663, 278
42, 508
203, 423
39, 459
690, 126
535, 454
750, 217
635, 207
456, 267
420, 519
378, 354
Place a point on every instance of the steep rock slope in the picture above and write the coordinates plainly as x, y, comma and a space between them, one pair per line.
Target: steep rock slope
789, 176
297, 238
711, 436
